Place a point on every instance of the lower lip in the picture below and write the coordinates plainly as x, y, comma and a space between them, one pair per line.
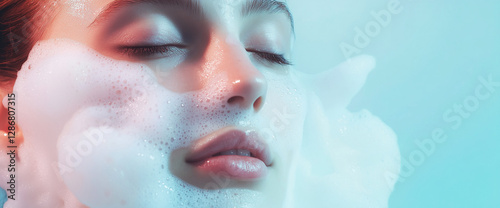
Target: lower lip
234, 166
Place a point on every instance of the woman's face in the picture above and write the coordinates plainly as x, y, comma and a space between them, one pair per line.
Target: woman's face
174, 103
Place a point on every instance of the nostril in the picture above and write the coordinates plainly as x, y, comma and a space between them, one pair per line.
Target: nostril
235, 99
239, 100
257, 104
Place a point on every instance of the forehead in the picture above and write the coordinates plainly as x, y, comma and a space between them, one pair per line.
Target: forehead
91, 11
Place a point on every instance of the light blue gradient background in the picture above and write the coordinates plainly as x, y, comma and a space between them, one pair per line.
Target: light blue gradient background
428, 59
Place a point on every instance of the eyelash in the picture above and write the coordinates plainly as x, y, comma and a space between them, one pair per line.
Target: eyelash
147, 51
271, 57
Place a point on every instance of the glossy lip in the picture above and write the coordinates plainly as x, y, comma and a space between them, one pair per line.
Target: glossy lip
203, 153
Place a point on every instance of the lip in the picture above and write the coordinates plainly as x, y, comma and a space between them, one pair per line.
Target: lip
205, 156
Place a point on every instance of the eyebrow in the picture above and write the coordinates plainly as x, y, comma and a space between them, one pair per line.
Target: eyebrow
192, 6
267, 6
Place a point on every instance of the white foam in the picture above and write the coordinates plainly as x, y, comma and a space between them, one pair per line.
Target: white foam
347, 159
108, 128
67, 92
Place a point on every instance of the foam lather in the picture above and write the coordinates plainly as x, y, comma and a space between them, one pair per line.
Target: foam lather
100, 132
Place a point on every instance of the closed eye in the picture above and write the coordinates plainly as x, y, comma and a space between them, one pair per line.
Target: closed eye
150, 52
270, 57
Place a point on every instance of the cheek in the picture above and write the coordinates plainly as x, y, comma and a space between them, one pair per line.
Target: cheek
61, 78
99, 122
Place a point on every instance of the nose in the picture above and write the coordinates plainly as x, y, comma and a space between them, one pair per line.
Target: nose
246, 85
248, 88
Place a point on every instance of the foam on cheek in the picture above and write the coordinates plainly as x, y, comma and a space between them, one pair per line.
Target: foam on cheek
112, 128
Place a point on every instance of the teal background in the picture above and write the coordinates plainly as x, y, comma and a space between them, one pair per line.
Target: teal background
429, 57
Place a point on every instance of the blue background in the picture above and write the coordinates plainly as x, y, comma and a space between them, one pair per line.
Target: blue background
429, 57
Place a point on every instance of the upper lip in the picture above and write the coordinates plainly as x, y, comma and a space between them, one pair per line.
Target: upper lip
229, 139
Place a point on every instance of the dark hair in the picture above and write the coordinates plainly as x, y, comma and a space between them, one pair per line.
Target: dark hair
20, 27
